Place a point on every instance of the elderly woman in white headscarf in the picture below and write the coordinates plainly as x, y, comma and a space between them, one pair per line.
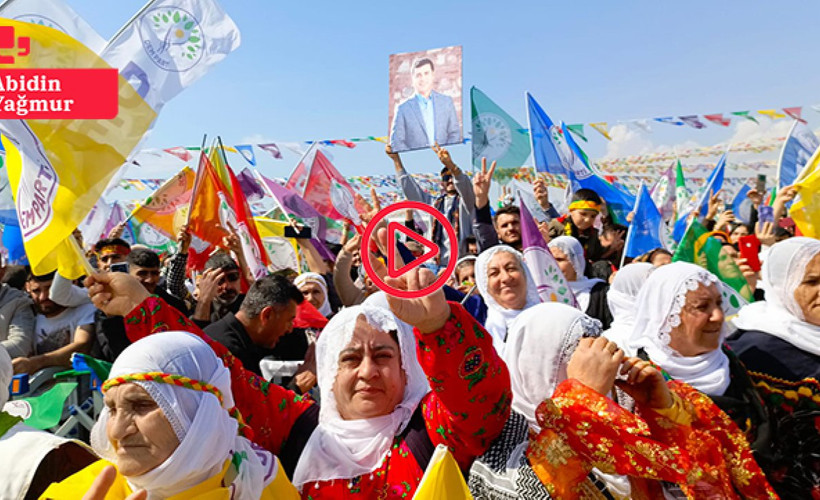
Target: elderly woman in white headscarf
507, 288
621, 299
166, 429
780, 336
679, 325
389, 394
314, 288
591, 293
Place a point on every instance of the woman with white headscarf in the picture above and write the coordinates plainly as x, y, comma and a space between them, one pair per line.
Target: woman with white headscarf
385, 405
779, 342
679, 325
621, 299
31, 459
780, 336
314, 288
590, 293
505, 284
166, 429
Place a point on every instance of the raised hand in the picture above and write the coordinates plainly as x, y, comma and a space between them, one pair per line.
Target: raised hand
765, 233
115, 294
539, 189
372, 208
755, 196
645, 384
103, 482
726, 217
445, 158
481, 183
595, 363
714, 204
183, 239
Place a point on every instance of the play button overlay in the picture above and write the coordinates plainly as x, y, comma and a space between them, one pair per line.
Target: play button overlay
392, 261
395, 266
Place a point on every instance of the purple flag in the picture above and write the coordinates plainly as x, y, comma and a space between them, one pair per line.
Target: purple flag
693, 121
295, 205
271, 148
250, 188
552, 286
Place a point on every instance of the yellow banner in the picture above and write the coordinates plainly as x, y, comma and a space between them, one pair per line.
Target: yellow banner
59, 168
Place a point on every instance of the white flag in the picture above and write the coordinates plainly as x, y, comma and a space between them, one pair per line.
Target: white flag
169, 45
54, 14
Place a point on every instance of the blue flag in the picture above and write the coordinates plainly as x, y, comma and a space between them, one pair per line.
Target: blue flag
797, 151
618, 199
742, 205
544, 153
713, 184
645, 230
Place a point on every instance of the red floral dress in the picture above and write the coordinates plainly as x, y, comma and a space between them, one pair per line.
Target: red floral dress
696, 446
466, 409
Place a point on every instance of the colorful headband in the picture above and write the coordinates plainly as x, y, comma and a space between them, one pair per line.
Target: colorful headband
164, 378
114, 249
584, 205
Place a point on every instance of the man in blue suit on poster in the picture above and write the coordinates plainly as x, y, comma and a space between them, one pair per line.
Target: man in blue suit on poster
426, 118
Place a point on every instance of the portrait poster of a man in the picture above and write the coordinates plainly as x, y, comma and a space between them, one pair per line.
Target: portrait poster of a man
425, 99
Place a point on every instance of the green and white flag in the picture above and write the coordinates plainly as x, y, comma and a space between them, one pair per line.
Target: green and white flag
496, 135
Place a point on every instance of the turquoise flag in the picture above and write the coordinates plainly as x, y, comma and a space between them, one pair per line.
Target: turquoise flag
496, 135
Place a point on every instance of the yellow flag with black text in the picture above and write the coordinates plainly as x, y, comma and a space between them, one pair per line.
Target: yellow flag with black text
58, 169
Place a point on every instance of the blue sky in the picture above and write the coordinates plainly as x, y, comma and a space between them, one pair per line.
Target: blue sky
318, 70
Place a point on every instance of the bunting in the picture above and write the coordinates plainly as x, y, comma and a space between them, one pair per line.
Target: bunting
773, 114
602, 129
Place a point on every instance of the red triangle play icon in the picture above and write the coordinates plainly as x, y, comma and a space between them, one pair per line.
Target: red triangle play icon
431, 249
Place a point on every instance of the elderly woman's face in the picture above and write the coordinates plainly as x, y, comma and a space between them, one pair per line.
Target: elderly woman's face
370, 381
701, 321
807, 293
506, 281
564, 264
138, 430
313, 293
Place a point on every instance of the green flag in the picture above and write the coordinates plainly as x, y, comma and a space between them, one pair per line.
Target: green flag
698, 247
681, 193
496, 135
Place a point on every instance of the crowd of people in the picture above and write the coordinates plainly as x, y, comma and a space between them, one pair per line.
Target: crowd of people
313, 383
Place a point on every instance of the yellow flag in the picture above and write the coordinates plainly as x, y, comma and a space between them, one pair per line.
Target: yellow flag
602, 128
806, 207
167, 208
59, 168
772, 113
442, 479
283, 252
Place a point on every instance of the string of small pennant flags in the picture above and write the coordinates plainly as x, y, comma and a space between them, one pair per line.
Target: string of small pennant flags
577, 129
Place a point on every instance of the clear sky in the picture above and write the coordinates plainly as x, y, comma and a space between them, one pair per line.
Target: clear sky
318, 70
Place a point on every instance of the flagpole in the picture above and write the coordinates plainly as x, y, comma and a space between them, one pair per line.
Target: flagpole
128, 23
197, 178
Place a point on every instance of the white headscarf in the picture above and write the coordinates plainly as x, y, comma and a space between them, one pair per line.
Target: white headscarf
658, 310
319, 280
343, 449
538, 350
780, 315
574, 251
499, 318
621, 298
6, 374
207, 433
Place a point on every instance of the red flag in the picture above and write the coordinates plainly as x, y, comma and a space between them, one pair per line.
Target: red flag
719, 119
319, 188
307, 316
342, 142
794, 112
258, 259
180, 152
